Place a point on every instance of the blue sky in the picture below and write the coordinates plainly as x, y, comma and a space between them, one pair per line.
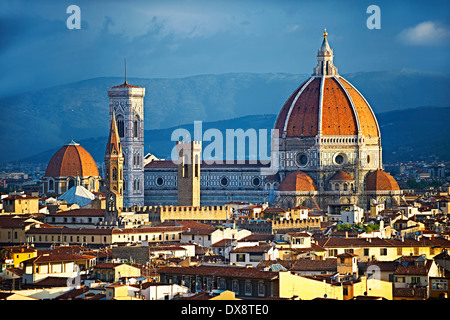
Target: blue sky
173, 38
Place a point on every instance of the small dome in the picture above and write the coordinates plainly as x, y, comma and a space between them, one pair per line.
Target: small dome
297, 181
341, 175
380, 181
71, 160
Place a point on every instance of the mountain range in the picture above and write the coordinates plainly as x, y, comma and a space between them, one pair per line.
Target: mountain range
411, 107
418, 134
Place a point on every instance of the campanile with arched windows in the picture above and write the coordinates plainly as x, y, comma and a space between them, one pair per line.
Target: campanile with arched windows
127, 103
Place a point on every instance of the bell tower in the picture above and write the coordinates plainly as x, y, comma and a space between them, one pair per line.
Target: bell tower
126, 102
114, 164
189, 155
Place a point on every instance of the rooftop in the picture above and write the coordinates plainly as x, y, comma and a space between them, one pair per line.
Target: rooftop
220, 271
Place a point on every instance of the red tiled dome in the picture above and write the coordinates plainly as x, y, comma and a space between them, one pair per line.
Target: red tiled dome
71, 160
341, 175
380, 181
300, 115
326, 103
297, 181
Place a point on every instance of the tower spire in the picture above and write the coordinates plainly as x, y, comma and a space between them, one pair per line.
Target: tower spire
125, 71
113, 140
325, 56
114, 164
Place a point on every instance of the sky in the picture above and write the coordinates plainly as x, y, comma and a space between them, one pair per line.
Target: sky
174, 38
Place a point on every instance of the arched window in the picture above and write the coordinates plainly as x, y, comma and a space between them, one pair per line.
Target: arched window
114, 174
136, 185
136, 127
51, 184
120, 126
71, 183
136, 161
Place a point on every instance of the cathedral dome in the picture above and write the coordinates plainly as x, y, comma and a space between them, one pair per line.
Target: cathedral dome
71, 160
380, 181
341, 176
326, 104
297, 181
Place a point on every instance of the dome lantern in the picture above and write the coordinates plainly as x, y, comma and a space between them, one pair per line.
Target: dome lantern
325, 65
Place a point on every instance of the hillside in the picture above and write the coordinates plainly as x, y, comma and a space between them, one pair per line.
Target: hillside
46, 119
419, 134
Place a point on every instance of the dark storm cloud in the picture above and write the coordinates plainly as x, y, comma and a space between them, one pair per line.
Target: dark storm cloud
180, 38
16, 30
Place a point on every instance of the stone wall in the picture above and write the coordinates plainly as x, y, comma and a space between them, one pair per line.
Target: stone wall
163, 213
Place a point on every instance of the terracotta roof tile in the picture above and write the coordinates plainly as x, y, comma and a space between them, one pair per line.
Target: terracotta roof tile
412, 269
72, 294
282, 115
255, 249
300, 113
341, 175
91, 212
338, 117
12, 222
219, 271
297, 181
64, 231
52, 282
58, 257
126, 85
71, 160
366, 118
380, 180
314, 265
420, 292
304, 118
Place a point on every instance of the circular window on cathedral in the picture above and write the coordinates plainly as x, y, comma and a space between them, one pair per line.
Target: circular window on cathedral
224, 181
256, 181
159, 181
340, 159
301, 159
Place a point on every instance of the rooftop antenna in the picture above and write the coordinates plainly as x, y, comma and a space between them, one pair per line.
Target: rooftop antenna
125, 71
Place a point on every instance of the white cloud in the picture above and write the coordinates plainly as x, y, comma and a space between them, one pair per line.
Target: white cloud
425, 33
290, 28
